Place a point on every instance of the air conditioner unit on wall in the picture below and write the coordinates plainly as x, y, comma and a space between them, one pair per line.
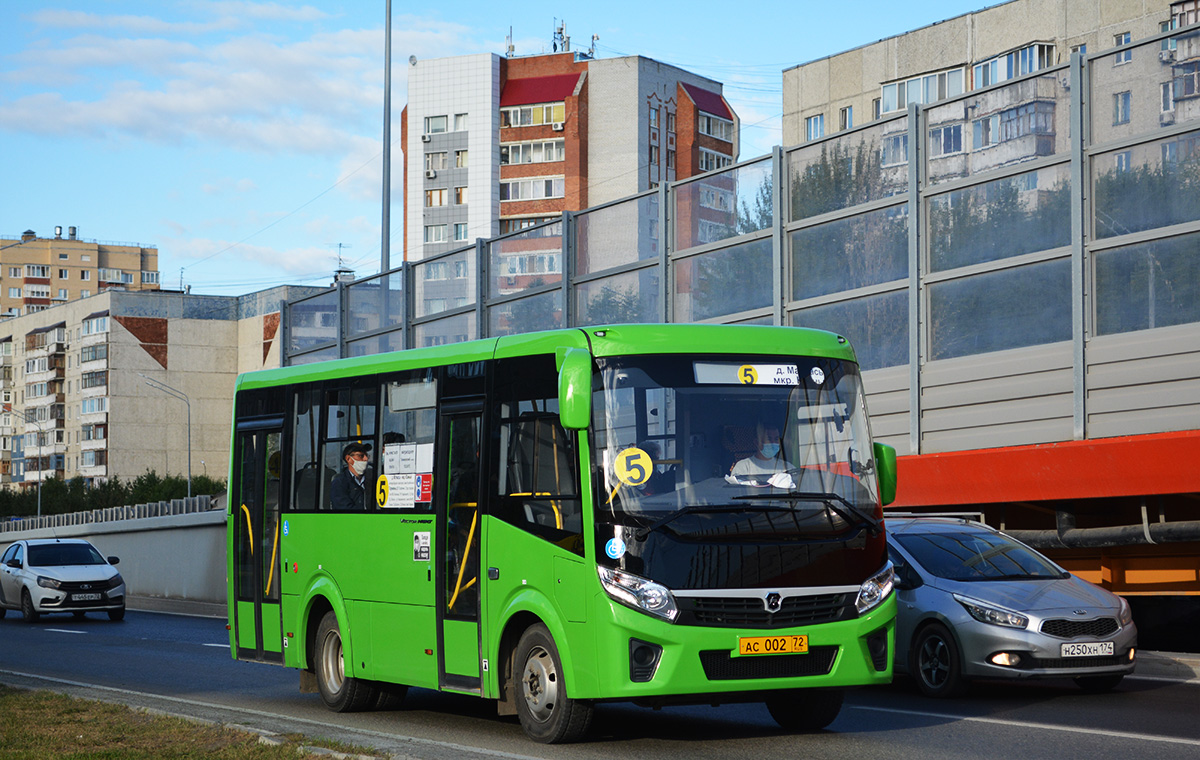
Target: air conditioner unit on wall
430, 174
426, 138
1166, 56
557, 126
1166, 118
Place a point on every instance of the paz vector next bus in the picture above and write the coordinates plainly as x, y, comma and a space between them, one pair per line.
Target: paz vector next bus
659, 514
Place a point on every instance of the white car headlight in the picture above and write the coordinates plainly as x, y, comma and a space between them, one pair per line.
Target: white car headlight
875, 589
47, 582
639, 593
986, 613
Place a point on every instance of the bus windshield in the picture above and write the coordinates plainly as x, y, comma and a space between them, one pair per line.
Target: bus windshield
695, 443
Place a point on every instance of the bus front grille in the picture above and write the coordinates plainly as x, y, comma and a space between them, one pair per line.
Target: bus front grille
719, 665
749, 612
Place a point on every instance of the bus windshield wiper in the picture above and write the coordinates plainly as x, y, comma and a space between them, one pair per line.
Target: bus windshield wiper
833, 501
641, 533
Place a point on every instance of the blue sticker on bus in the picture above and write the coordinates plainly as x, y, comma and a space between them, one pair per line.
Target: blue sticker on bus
286, 528
615, 548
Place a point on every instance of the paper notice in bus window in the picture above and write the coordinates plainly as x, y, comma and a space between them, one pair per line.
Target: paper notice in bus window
403, 491
391, 458
424, 457
423, 488
406, 454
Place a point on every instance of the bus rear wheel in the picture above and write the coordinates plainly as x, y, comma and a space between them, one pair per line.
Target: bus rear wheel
806, 710
547, 714
339, 692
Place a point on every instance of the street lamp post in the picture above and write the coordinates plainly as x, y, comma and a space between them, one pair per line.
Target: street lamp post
161, 386
32, 420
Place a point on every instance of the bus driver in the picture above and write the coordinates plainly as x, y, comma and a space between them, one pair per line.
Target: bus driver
766, 466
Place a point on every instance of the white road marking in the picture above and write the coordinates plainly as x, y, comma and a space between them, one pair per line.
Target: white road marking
222, 646
62, 630
1031, 724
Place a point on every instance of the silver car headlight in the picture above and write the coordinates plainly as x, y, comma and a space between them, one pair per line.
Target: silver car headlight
986, 613
1125, 615
875, 589
48, 582
639, 593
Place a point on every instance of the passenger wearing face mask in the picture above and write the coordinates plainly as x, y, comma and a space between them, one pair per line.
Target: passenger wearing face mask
348, 489
766, 466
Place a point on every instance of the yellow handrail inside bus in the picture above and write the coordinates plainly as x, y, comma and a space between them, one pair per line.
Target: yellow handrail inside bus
249, 529
553, 505
274, 547
462, 564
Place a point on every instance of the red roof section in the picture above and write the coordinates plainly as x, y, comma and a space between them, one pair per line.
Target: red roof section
709, 102
521, 92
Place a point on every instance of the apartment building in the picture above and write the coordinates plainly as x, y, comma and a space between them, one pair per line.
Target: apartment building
77, 382
494, 145
965, 53
39, 272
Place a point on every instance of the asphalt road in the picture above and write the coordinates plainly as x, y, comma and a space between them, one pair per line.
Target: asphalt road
181, 665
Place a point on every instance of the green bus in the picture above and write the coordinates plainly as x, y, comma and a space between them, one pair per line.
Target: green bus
657, 514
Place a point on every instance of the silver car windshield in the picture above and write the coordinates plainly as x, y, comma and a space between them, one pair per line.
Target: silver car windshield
762, 434
975, 555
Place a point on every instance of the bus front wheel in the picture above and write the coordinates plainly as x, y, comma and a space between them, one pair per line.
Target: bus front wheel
806, 710
339, 692
547, 714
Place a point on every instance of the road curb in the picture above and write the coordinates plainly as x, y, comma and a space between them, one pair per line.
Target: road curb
1173, 666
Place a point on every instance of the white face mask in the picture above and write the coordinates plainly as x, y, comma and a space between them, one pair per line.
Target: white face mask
359, 466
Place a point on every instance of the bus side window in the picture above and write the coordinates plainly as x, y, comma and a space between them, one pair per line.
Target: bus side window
537, 482
306, 467
349, 417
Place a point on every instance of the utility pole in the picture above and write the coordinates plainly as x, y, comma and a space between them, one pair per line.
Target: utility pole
385, 254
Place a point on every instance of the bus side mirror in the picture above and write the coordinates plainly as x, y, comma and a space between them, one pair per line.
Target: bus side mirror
885, 469
575, 389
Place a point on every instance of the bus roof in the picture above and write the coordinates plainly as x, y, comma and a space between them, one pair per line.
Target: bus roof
600, 340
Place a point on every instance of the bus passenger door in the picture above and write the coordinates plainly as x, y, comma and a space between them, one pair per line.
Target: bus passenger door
458, 468
255, 514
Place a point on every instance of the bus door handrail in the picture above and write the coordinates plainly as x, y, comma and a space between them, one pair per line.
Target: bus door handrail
462, 565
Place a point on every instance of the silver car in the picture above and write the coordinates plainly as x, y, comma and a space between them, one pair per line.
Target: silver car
973, 602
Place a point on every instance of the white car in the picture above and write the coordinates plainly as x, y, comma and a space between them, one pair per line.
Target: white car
40, 576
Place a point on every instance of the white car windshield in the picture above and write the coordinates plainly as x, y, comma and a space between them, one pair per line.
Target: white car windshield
54, 555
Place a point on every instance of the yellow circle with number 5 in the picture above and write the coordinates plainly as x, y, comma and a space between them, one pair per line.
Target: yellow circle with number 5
748, 374
634, 466
381, 491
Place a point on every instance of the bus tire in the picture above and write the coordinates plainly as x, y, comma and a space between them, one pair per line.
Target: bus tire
339, 692
935, 663
547, 714
806, 710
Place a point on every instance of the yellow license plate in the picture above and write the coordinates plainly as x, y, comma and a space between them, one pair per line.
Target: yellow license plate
750, 645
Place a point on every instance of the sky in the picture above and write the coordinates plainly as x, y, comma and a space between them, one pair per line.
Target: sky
244, 139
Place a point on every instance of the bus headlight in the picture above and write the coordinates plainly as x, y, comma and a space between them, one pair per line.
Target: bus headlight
875, 589
639, 593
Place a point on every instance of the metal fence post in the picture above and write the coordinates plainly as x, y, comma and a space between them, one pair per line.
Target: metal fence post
916, 213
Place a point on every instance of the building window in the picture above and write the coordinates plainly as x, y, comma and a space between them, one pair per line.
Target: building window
1123, 56
435, 161
927, 88
1167, 93
95, 325
653, 116
435, 233
64, 274
436, 197
460, 231
541, 151
14, 292
876, 104
1121, 107
670, 158
1186, 82
85, 275
62, 293
94, 379
894, 150
37, 270
149, 278
710, 160
654, 154
715, 126
508, 226
14, 272
460, 198
460, 159
37, 291
945, 140
460, 122
527, 116
670, 121
94, 405
93, 353
532, 189
435, 124
814, 127
985, 131
84, 293
1121, 161
846, 118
